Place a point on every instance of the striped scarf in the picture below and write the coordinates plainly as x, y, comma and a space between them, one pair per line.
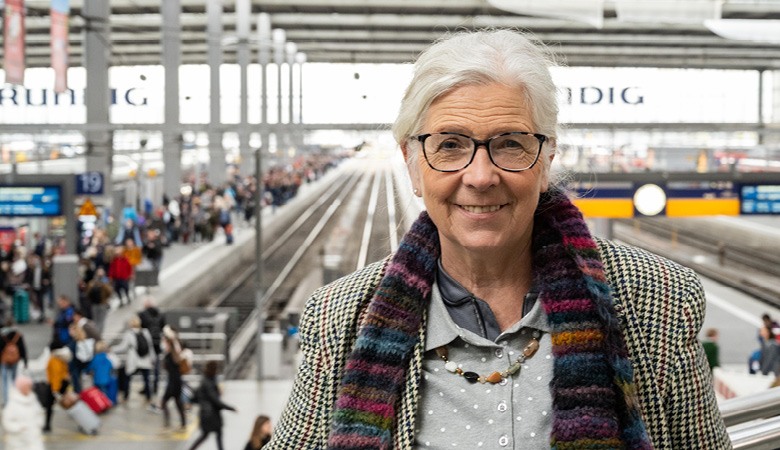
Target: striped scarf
594, 396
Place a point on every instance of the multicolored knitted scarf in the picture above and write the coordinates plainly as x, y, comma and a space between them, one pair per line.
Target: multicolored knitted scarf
594, 396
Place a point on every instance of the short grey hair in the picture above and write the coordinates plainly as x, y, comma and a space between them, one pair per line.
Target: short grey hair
480, 58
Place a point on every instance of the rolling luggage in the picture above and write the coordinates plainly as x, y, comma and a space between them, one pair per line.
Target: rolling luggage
96, 399
85, 418
21, 306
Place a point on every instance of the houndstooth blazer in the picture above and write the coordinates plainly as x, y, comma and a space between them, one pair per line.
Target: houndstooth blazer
660, 306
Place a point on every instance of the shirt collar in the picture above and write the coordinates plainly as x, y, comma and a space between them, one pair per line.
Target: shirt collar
440, 329
452, 292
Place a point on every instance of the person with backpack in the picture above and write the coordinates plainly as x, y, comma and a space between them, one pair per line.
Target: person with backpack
154, 321
98, 292
139, 356
12, 350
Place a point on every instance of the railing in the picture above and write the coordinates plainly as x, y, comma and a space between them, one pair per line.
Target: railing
750, 407
764, 434
205, 346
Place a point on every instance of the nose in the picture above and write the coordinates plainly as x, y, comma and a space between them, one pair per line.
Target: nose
481, 174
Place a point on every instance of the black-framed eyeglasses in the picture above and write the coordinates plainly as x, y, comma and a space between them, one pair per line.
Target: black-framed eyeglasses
451, 152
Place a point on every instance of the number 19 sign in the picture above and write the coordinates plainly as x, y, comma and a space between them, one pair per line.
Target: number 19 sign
89, 183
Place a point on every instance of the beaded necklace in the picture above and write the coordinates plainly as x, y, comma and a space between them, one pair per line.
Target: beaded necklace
495, 377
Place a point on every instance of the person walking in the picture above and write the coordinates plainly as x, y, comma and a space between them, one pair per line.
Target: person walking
261, 433
58, 376
12, 350
62, 322
154, 321
83, 352
23, 418
211, 406
137, 345
119, 272
173, 356
98, 292
101, 367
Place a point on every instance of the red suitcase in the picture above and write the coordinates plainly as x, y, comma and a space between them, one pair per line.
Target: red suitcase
96, 399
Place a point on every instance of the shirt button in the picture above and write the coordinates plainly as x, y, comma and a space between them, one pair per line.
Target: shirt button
499, 353
503, 382
502, 406
503, 441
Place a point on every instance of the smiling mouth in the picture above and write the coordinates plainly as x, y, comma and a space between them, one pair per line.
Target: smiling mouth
481, 209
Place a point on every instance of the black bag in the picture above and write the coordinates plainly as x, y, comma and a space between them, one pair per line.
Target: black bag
141, 345
43, 392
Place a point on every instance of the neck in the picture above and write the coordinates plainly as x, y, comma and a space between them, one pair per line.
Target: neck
501, 278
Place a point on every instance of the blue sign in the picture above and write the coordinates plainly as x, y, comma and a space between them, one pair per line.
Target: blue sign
30, 201
90, 183
760, 199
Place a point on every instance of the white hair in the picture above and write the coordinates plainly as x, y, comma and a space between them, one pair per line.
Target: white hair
481, 58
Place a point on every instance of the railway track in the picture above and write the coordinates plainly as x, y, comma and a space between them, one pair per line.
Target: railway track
296, 252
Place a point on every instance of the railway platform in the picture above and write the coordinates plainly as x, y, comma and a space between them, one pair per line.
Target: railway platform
132, 425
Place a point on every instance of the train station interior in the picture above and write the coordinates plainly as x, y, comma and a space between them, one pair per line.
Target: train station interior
194, 170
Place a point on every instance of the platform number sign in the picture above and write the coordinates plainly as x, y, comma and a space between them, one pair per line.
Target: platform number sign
89, 183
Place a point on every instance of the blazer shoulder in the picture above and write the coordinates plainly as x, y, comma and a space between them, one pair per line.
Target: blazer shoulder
343, 299
628, 267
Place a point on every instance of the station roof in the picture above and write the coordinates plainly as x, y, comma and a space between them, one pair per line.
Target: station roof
383, 31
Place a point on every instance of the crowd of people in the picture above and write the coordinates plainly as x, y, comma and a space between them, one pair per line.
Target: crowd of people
81, 361
111, 258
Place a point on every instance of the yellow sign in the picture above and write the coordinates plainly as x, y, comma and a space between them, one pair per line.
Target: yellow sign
88, 208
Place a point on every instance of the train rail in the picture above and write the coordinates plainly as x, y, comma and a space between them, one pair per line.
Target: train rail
297, 252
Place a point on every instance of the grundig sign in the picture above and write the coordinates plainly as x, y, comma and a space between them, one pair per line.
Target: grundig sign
10, 97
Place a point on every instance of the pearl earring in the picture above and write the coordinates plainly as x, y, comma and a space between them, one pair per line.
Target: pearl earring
415, 191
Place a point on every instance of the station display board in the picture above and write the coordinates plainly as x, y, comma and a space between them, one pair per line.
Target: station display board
45, 200
760, 199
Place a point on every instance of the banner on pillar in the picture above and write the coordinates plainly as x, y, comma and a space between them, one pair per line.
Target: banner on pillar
13, 50
60, 9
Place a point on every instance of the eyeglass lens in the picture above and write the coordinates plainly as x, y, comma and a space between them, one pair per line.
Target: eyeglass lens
453, 152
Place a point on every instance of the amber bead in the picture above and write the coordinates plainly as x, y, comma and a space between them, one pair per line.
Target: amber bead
494, 377
531, 348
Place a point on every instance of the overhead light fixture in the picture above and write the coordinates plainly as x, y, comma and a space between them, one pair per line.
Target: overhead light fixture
746, 29
588, 11
668, 11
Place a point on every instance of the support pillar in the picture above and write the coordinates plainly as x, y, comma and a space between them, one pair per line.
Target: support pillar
217, 174
761, 128
98, 137
279, 39
172, 138
243, 14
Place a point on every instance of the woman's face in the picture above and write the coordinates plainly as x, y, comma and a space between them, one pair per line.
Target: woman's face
450, 198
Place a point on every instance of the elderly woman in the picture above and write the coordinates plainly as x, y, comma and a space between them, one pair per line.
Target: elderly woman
500, 322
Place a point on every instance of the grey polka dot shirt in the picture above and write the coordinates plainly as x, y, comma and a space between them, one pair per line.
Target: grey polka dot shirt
453, 413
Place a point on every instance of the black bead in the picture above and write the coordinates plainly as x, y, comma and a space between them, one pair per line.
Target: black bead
471, 377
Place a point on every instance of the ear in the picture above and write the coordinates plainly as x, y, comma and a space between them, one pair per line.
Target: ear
544, 182
412, 167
